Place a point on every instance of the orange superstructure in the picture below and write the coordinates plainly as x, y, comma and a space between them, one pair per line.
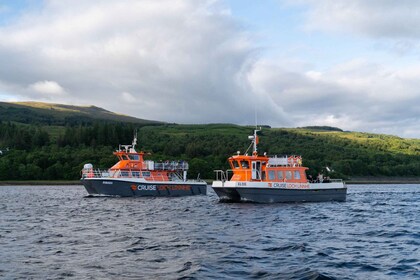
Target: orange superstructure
265, 169
132, 164
133, 175
129, 160
259, 168
268, 179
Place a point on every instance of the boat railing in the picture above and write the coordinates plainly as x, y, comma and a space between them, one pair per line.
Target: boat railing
326, 181
224, 176
104, 174
221, 175
284, 160
335, 180
166, 165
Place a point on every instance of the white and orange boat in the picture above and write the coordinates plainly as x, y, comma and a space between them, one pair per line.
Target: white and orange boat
132, 175
264, 179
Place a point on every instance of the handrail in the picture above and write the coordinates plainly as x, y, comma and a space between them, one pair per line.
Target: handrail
103, 174
336, 180
220, 175
118, 173
326, 181
166, 165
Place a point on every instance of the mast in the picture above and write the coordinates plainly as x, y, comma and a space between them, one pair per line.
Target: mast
254, 139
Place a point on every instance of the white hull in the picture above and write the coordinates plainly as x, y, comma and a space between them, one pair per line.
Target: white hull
270, 192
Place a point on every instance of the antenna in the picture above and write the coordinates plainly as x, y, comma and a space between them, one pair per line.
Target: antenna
256, 117
254, 138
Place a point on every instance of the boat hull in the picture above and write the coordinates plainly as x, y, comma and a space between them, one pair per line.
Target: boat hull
127, 188
263, 193
279, 195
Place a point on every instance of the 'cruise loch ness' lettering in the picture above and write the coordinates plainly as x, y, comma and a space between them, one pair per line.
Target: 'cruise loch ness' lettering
146, 187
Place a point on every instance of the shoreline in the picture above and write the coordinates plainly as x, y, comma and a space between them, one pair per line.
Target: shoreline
382, 180
354, 181
40, 183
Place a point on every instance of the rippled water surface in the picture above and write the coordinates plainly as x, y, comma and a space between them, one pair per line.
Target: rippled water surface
53, 232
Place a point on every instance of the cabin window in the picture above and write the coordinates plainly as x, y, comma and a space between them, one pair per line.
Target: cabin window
280, 175
124, 173
125, 157
271, 175
288, 175
134, 157
146, 174
235, 164
135, 174
297, 175
245, 164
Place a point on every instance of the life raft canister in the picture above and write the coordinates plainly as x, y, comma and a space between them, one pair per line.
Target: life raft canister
88, 170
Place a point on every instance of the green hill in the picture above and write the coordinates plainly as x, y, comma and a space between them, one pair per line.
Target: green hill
38, 151
58, 114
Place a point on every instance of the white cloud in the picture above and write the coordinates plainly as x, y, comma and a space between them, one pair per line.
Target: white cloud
191, 62
391, 25
47, 88
128, 97
376, 18
185, 60
356, 95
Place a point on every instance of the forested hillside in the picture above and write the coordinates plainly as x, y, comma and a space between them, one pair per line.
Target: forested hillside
39, 113
50, 152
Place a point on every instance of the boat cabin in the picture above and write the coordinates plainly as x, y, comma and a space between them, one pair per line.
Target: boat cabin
132, 164
267, 169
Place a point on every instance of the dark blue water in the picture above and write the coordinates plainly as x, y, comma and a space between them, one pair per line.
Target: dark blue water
55, 232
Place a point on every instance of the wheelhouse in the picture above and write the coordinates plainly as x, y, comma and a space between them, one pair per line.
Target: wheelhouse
269, 169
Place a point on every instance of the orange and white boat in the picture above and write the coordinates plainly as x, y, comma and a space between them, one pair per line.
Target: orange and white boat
132, 175
264, 179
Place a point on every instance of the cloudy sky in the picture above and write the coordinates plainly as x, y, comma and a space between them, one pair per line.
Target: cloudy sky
351, 64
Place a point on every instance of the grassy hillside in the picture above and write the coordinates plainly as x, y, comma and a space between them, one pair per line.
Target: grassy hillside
58, 114
52, 142
350, 153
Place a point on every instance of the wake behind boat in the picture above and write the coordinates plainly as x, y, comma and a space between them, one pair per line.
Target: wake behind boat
264, 179
132, 175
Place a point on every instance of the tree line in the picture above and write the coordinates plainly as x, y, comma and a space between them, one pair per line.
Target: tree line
35, 153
